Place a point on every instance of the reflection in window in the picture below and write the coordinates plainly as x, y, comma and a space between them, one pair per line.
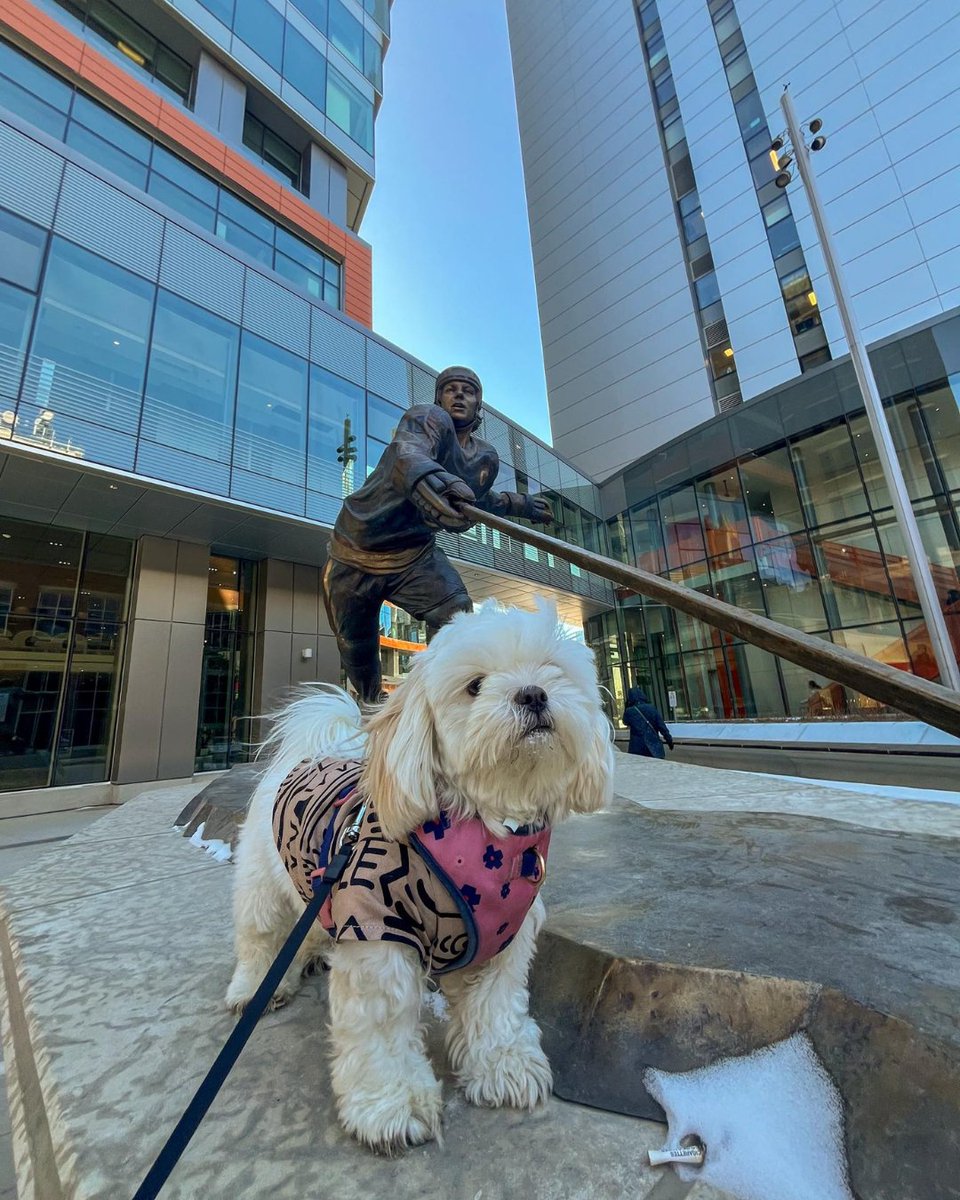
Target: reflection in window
88, 356
35, 94
350, 109
271, 411
305, 67
192, 379
260, 25
681, 524
830, 482
336, 420
49, 649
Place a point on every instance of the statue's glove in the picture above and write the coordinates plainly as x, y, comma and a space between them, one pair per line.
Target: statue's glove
538, 510
438, 496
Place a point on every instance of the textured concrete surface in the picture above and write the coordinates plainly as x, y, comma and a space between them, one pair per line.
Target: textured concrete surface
114, 987
116, 955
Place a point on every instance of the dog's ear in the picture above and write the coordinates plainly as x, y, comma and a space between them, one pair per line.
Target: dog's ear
400, 770
592, 787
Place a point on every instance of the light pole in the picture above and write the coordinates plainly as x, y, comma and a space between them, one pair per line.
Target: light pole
886, 452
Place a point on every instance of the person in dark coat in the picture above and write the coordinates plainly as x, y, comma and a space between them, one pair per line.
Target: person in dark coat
646, 726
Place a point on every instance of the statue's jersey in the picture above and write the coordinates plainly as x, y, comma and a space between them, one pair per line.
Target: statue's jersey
379, 517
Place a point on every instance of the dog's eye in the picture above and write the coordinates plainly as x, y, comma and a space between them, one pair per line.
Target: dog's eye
473, 687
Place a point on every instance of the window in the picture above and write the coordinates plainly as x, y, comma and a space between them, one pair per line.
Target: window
91, 340
33, 92
183, 189
305, 67
271, 414
220, 8
382, 418
346, 33
139, 45
315, 11
109, 141
16, 313
707, 289
750, 113
373, 61
349, 109
308, 268
692, 217
272, 149
783, 236
336, 417
192, 379
260, 25
21, 250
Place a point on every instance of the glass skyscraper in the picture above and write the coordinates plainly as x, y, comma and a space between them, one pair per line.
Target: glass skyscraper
695, 361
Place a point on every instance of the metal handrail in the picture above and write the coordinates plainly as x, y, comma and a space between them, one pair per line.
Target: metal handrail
938, 706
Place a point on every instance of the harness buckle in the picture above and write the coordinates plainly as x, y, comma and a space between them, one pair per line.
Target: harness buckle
536, 878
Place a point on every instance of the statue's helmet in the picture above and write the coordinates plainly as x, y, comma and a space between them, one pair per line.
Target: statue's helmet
462, 373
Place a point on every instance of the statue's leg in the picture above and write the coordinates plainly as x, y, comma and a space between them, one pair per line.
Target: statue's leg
352, 599
431, 590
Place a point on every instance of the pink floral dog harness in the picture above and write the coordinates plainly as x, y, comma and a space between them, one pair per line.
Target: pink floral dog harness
456, 894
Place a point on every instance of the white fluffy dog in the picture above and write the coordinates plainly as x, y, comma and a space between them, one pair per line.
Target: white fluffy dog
497, 728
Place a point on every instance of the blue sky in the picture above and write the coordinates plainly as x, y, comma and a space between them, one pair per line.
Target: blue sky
452, 273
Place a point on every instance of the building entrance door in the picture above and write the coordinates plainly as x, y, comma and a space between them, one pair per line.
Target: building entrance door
223, 730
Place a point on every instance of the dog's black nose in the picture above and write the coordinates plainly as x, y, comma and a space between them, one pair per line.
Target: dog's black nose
532, 697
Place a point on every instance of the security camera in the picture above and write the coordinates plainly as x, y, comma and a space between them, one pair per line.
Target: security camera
783, 179
816, 125
818, 143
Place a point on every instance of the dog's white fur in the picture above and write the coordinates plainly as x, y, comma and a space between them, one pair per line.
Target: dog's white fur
482, 755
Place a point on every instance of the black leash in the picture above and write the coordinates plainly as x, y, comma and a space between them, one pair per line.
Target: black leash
206, 1093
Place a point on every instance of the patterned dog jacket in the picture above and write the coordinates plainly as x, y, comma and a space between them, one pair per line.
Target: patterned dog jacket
455, 893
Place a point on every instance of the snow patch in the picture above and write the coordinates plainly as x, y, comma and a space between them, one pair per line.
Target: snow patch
214, 847
771, 1121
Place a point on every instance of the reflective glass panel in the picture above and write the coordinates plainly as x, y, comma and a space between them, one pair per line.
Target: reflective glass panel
830, 482
21, 250
305, 67
16, 313
260, 25
647, 537
335, 463
350, 109
271, 411
788, 575
192, 380
382, 418
770, 495
681, 525
89, 349
32, 92
346, 33
853, 574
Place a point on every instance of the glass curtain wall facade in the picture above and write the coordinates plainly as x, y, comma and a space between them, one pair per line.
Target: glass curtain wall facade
714, 334
781, 508
799, 298
63, 612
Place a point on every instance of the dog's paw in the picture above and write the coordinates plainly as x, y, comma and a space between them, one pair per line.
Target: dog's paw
390, 1123
242, 989
516, 1075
